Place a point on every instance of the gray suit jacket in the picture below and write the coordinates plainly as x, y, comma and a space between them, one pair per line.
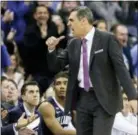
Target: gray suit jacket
106, 68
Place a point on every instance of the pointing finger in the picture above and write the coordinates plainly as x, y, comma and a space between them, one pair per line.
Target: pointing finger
23, 115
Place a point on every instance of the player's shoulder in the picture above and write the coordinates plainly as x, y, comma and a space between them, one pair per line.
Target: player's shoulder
46, 107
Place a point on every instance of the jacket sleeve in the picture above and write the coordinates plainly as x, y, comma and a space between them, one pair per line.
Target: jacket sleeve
7, 130
116, 57
57, 59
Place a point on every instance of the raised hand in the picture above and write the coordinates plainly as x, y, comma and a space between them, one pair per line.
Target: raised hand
8, 16
11, 35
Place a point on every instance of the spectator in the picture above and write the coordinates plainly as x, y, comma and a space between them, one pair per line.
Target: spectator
14, 25
121, 33
31, 96
12, 72
66, 7
5, 58
54, 121
9, 98
4, 89
101, 25
45, 3
19, 9
62, 29
35, 50
3, 7
6, 21
105, 10
134, 54
125, 122
13, 93
60, 25
132, 17
49, 92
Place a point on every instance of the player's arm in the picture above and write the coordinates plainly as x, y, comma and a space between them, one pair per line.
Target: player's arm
48, 113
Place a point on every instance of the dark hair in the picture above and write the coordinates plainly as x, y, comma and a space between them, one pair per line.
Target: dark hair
3, 78
114, 27
36, 6
50, 12
61, 74
83, 11
23, 89
17, 62
96, 23
10, 80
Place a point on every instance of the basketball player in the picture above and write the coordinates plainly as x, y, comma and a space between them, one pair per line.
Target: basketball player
54, 122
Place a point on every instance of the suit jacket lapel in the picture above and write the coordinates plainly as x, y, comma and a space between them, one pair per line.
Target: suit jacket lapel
96, 40
23, 110
78, 53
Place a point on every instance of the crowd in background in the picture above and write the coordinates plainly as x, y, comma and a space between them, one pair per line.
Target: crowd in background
25, 27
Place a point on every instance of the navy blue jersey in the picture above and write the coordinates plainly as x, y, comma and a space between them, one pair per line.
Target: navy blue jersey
64, 120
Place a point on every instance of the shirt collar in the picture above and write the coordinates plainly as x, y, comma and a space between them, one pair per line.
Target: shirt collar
28, 113
90, 34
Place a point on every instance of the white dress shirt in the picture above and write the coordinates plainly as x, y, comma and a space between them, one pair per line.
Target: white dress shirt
28, 113
126, 61
124, 125
89, 42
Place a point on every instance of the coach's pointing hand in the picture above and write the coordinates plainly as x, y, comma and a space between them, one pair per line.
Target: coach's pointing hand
52, 42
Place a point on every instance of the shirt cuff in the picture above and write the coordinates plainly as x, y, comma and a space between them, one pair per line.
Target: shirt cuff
50, 51
15, 131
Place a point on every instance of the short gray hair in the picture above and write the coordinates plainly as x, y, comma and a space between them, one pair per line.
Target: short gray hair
83, 11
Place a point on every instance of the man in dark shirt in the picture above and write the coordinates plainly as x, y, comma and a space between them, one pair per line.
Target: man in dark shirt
35, 50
